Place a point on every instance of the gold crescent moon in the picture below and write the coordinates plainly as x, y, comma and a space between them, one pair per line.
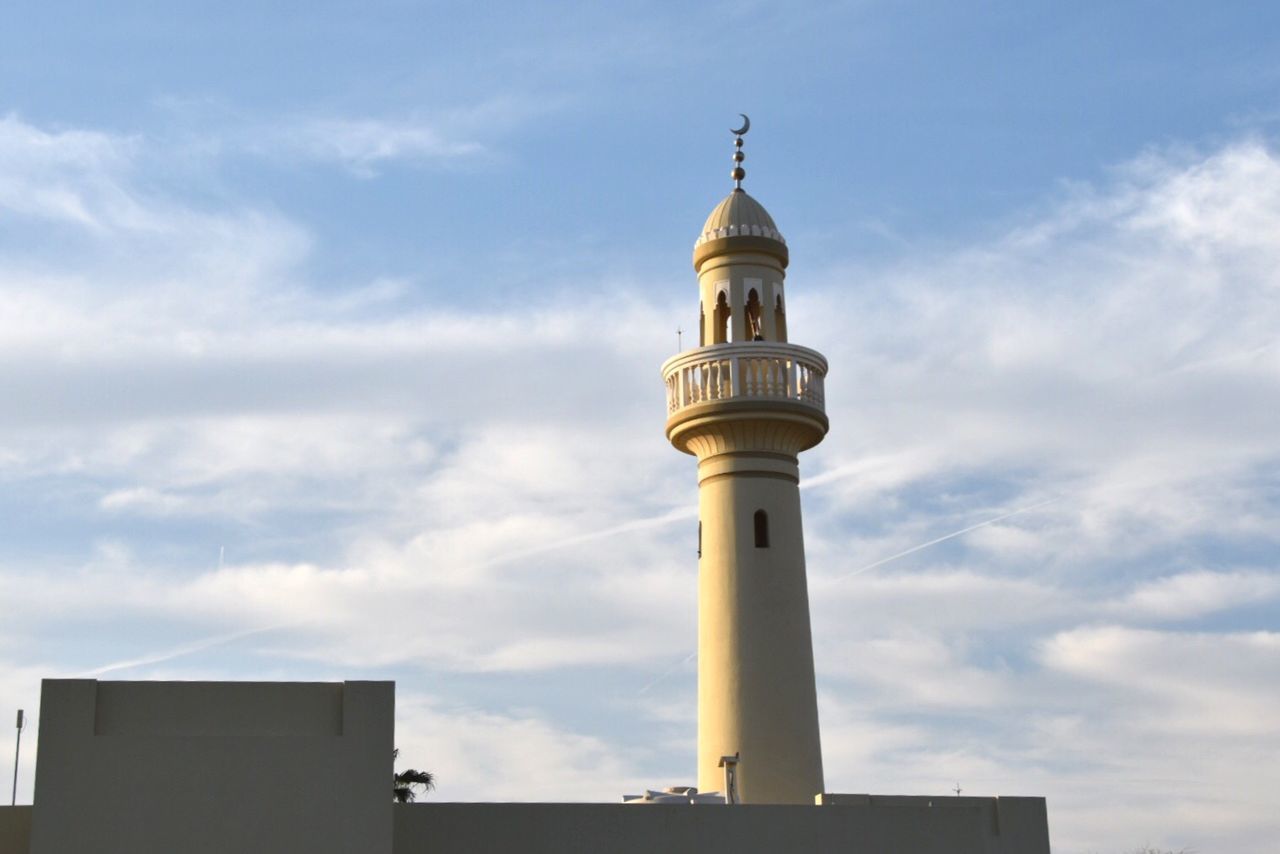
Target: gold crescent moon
746, 126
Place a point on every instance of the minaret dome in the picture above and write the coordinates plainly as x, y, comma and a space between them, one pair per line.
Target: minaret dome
739, 223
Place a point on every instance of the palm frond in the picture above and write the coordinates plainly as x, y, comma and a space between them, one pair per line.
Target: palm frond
406, 783
414, 777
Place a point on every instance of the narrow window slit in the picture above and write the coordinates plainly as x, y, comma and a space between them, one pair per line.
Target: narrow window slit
762, 529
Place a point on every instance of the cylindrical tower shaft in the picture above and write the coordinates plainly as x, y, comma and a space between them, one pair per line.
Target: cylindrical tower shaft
756, 693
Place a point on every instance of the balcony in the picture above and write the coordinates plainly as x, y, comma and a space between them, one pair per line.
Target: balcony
745, 372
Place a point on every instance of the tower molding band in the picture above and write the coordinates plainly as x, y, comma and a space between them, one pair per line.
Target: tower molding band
749, 474
775, 465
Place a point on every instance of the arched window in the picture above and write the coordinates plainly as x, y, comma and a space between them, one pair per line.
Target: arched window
702, 327
699, 538
755, 324
780, 320
722, 316
762, 529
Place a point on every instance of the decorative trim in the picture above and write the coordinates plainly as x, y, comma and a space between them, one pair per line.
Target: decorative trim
741, 231
767, 475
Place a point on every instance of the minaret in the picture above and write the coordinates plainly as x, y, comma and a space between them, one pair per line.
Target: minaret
746, 403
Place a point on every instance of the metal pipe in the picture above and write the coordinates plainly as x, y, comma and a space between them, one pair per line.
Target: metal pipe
17, 751
730, 766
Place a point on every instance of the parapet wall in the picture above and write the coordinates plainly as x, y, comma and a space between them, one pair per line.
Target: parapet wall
856, 824
1013, 825
213, 767
275, 768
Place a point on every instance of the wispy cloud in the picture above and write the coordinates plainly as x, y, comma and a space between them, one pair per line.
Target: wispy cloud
65, 175
364, 144
1193, 594
492, 484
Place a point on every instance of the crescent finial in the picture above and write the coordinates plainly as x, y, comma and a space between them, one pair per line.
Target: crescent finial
738, 172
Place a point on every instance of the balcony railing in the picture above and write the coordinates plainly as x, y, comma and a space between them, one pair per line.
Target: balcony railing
753, 370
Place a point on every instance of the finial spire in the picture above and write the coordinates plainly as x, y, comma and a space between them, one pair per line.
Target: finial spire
738, 172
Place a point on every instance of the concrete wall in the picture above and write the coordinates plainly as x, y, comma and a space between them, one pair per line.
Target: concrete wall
15, 830
860, 825
273, 768
210, 767
1013, 825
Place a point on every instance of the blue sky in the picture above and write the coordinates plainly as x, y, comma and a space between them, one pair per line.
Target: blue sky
330, 337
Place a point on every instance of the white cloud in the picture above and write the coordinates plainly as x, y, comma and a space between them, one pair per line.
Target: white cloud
1172, 724
1193, 594
1098, 354
363, 144
480, 755
491, 488
1188, 683
65, 176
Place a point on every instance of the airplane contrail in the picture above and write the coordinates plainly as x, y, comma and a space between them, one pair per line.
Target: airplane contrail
672, 669
663, 676
674, 515
177, 651
952, 535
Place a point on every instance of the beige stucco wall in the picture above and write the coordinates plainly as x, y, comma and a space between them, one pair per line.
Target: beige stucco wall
15, 830
756, 692
910, 826
736, 275
210, 768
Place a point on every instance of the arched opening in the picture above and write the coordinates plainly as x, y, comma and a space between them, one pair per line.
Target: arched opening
762, 529
702, 326
780, 320
699, 538
722, 317
755, 325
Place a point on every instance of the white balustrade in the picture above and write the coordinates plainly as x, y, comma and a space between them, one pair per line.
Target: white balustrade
753, 370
